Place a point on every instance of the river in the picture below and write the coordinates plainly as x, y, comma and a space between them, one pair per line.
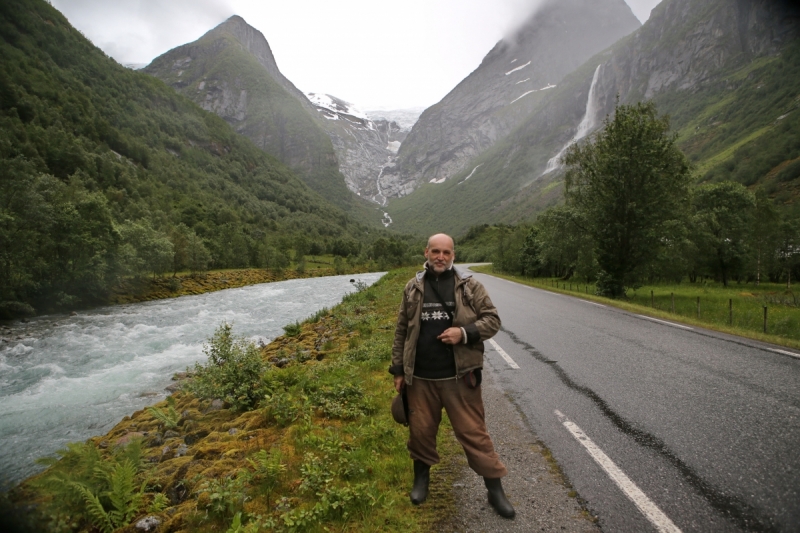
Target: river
67, 378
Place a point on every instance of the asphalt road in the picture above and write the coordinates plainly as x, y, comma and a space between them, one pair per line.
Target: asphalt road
658, 427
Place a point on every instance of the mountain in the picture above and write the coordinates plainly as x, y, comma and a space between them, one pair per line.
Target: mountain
364, 146
107, 172
510, 82
726, 71
232, 72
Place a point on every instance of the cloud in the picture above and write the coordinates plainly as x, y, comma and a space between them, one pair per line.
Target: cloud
136, 31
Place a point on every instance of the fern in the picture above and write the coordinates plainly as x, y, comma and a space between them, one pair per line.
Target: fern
99, 517
123, 496
169, 417
159, 503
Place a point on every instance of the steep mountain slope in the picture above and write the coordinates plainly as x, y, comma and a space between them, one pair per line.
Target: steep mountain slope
363, 145
231, 71
106, 172
510, 82
728, 73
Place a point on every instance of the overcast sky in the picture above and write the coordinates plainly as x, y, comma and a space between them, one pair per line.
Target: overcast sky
371, 53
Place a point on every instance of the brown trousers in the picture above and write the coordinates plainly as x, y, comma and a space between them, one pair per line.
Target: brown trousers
464, 407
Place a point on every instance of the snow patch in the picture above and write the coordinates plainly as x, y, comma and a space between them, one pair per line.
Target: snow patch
440, 180
470, 175
523, 94
393, 146
518, 68
336, 105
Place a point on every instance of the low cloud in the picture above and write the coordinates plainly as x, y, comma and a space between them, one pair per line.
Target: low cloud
136, 31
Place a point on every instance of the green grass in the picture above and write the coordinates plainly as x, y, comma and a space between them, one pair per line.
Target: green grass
747, 301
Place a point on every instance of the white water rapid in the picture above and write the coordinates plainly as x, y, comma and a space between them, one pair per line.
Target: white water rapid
586, 125
67, 378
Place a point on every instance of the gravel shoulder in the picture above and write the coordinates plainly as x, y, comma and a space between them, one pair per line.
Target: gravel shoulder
534, 485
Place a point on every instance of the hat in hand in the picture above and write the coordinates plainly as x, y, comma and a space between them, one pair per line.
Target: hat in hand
400, 408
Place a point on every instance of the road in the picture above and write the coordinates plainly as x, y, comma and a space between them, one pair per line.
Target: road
658, 427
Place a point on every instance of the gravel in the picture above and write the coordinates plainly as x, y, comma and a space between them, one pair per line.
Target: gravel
534, 485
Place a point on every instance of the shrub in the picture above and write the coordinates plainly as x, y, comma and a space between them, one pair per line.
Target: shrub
233, 372
292, 330
168, 417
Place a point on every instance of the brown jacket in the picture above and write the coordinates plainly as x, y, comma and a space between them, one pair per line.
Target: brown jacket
475, 312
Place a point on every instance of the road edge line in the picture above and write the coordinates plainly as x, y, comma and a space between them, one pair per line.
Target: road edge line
648, 508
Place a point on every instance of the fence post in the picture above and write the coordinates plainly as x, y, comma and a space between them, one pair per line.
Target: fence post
730, 311
698, 307
652, 301
765, 319
672, 296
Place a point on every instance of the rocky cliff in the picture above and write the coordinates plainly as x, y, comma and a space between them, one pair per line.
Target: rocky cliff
510, 82
231, 71
363, 145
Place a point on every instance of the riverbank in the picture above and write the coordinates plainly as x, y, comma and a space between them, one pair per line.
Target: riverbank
185, 283
338, 458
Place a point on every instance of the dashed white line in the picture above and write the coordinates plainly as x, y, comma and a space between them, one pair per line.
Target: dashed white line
649, 509
503, 354
784, 352
593, 303
664, 322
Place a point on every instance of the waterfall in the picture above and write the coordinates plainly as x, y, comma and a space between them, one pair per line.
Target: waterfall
586, 125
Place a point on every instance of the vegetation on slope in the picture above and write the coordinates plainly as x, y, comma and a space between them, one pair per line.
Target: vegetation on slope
739, 123
304, 441
107, 173
258, 107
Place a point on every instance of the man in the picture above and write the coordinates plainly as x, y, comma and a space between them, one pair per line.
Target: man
437, 356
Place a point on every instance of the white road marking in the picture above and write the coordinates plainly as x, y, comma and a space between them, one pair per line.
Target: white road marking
649, 509
664, 322
784, 352
503, 354
593, 303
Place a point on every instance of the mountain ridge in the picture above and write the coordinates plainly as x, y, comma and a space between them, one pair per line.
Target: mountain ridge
509, 83
232, 72
696, 71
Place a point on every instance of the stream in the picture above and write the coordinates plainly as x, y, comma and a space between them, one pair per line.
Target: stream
67, 378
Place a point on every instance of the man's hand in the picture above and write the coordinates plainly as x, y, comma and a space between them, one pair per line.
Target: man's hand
399, 383
451, 336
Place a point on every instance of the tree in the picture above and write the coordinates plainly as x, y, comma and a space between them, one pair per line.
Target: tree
530, 259
627, 185
789, 248
566, 248
766, 221
722, 223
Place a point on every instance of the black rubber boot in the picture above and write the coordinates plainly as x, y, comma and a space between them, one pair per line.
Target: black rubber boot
422, 475
497, 498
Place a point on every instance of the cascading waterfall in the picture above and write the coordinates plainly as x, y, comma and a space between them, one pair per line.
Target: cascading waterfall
586, 125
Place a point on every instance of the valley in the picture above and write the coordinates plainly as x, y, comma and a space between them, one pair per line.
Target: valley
657, 157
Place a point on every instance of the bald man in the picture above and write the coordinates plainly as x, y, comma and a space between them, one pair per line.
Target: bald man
437, 357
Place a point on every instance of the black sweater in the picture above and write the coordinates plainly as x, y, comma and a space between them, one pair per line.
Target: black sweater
434, 359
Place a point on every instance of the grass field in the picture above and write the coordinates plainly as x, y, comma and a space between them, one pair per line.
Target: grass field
737, 309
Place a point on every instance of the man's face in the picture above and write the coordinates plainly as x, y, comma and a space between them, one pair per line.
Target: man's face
440, 254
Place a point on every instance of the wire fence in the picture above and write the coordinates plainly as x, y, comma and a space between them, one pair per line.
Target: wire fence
772, 312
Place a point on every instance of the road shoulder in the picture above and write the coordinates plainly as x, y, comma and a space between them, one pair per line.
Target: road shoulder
534, 485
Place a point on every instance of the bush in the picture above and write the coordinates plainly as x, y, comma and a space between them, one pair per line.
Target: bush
233, 372
11, 309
